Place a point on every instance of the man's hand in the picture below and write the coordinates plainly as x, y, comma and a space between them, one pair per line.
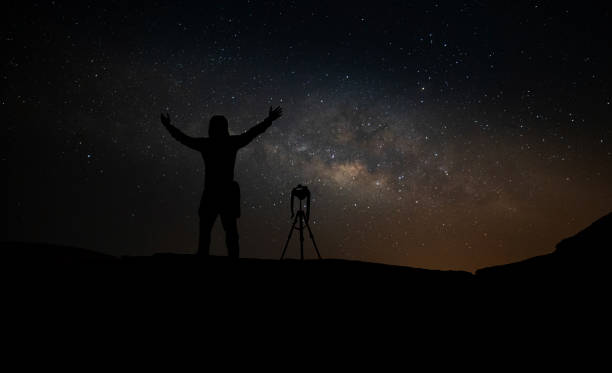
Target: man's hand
165, 119
274, 114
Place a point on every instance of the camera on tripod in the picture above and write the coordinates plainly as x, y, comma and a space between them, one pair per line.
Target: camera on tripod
302, 193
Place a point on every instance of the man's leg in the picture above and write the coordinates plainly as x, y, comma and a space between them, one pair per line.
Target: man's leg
207, 220
230, 226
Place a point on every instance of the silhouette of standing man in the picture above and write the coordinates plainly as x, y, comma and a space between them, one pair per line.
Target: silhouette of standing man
221, 194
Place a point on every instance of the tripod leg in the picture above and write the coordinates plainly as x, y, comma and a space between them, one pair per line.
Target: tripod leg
289, 238
301, 236
313, 240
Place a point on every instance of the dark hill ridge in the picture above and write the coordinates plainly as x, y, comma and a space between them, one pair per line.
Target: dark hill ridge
592, 243
21, 253
43, 257
313, 270
581, 256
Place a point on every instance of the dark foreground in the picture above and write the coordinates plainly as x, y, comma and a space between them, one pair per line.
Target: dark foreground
48, 290
578, 264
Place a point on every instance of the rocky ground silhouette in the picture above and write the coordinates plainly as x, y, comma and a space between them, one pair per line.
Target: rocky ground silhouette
558, 298
578, 263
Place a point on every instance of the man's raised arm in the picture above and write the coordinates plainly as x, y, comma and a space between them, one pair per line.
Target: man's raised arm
191, 142
258, 129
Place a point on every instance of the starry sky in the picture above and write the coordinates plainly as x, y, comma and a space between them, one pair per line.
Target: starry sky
448, 135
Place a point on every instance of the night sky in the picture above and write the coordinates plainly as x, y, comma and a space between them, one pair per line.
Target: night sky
450, 135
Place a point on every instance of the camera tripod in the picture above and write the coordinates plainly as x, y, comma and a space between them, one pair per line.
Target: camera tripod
301, 192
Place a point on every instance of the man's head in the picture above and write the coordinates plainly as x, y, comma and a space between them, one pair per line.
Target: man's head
218, 126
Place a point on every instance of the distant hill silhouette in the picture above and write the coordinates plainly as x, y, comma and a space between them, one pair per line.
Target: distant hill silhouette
51, 258
22, 253
560, 293
582, 256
